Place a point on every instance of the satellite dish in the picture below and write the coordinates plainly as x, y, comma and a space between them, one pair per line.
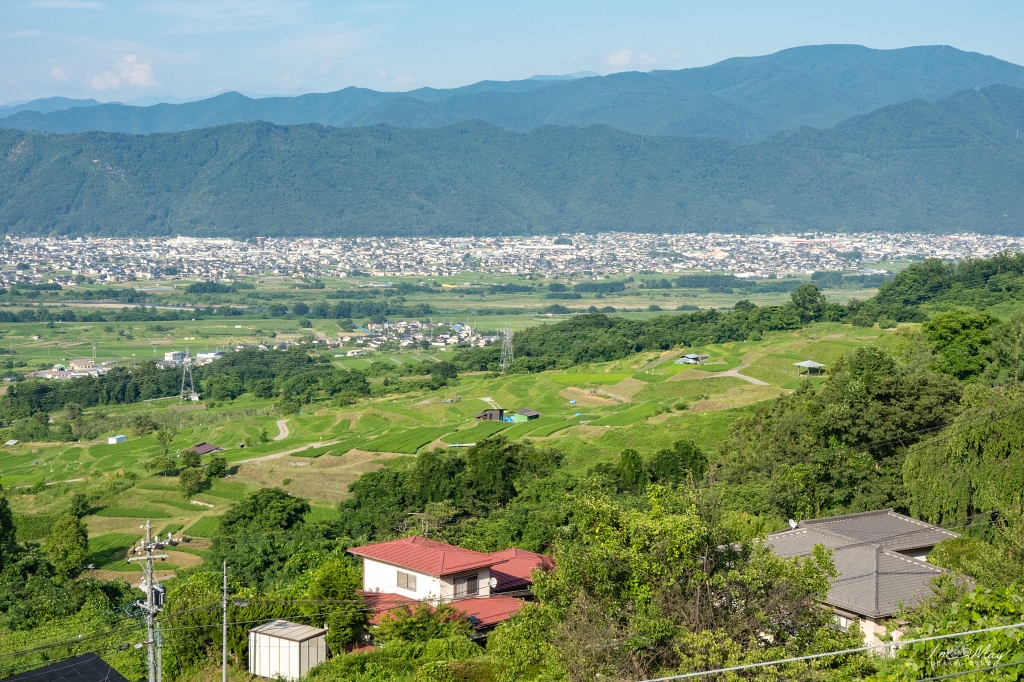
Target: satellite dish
792, 524
493, 582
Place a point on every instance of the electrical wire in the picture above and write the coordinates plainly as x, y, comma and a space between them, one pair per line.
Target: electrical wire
968, 672
828, 654
69, 642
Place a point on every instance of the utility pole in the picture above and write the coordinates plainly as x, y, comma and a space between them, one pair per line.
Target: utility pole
159, 654
224, 646
150, 607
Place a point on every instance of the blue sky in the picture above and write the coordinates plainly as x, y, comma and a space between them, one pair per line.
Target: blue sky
148, 50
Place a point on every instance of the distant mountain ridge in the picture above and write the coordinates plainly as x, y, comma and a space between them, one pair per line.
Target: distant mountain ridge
952, 165
745, 98
47, 105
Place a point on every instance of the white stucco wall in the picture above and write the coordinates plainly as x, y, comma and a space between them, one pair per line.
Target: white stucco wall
381, 577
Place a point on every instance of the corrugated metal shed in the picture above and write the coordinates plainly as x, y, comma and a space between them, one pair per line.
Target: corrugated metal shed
293, 632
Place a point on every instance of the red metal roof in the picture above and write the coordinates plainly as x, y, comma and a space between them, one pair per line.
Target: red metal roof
425, 556
487, 611
514, 567
382, 602
482, 611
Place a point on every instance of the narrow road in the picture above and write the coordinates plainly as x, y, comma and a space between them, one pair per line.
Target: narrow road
278, 455
490, 401
660, 359
282, 425
735, 372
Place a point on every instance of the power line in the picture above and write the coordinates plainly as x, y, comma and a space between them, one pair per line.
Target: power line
968, 672
827, 654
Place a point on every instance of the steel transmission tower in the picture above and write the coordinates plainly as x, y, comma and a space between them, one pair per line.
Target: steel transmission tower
188, 389
506, 349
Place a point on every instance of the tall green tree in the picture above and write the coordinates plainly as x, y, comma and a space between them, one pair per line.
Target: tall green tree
976, 465
1006, 353
8, 532
838, 447
660, 589
961, 339
68, 546
190, 481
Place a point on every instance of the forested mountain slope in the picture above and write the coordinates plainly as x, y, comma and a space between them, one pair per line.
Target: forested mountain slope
744, 98
957, 164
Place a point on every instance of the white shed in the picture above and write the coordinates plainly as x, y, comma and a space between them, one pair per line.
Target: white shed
115, 439
286, 650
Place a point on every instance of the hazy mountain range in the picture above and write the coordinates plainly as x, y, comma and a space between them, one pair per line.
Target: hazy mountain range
745, 98
831, 137
952, 165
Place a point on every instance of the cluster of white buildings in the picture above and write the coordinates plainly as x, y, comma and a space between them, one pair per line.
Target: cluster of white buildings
617, 253
76, 369
408, 333
176, 358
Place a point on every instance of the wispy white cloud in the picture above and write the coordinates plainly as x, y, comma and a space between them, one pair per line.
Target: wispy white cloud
66, 4
27, 33
625, 59
620, 59
58, 74
218, 16
128, 71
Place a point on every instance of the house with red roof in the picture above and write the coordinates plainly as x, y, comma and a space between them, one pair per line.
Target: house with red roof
414, 569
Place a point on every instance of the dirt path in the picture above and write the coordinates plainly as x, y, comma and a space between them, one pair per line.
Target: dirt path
277, 455
282, 425
696, 375
657, 361
735, 372
490, 401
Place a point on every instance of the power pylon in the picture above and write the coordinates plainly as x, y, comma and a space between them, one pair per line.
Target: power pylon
188, 389
506, 349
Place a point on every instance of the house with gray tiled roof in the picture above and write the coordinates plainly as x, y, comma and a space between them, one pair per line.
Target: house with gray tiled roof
881, 558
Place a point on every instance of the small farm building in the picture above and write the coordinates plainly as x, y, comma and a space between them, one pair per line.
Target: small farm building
116, 439
494, 415
692, 359
280, 649
524, 415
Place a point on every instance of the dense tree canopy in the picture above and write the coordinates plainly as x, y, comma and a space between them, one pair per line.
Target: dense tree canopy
840, 447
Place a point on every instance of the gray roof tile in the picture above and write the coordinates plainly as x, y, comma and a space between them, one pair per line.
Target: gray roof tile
874, 578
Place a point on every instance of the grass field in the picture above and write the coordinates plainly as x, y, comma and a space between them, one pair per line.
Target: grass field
205, 527
406, 442
109, 551
476, 433
133, 513
645, 402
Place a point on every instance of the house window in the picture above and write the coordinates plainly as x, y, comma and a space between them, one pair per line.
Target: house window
466, 587
407, 581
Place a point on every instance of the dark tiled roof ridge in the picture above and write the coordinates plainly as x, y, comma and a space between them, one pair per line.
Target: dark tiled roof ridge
854, 515
818, 531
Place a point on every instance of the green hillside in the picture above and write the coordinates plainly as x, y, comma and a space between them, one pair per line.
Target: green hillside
745, 98
918, 166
